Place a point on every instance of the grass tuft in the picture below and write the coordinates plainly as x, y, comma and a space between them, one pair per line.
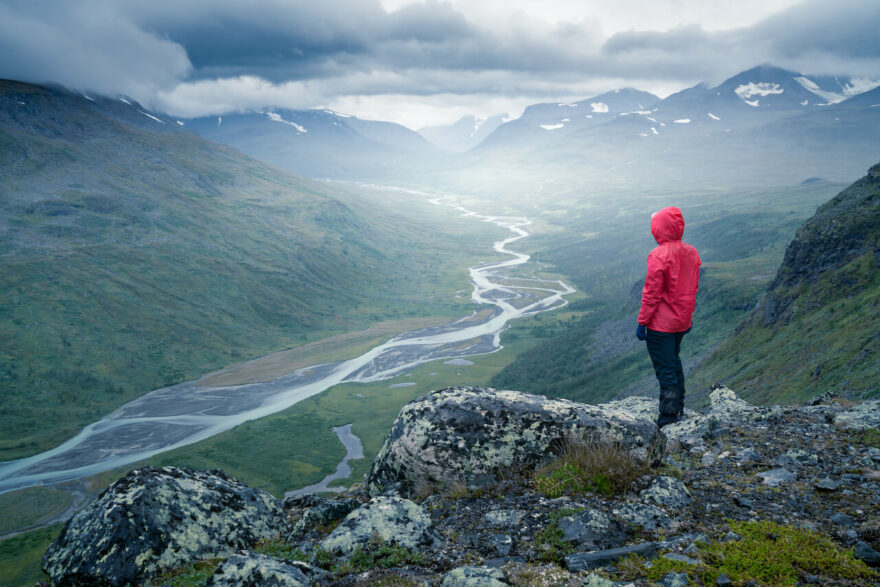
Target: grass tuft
588, 466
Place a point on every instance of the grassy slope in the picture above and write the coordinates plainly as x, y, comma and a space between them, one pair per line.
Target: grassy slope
133, 259
817, 329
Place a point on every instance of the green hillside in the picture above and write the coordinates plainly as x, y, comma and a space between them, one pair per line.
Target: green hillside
135, 254
817, 328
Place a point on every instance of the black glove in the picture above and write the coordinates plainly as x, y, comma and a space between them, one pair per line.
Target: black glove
641, 332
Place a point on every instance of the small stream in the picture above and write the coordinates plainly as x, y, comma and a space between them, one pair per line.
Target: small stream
353, 450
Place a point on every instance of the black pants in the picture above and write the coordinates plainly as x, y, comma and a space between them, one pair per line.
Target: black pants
664, 348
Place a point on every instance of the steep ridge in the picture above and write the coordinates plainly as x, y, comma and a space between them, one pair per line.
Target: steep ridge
816, 328
135, 254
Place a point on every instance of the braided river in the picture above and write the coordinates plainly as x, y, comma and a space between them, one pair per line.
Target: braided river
174, 416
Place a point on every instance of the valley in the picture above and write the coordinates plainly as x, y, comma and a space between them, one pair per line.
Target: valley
228, 314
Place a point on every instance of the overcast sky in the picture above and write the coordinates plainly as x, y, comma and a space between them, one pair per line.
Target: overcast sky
420, 62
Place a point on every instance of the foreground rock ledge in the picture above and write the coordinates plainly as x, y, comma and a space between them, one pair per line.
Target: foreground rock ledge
153, 520
467, 434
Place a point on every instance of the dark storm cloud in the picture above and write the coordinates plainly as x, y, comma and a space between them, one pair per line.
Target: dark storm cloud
815, 37
171, 52
845, 29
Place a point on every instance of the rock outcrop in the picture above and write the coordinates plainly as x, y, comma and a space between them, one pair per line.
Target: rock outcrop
153, 520
810, 469
394, 520
466, 435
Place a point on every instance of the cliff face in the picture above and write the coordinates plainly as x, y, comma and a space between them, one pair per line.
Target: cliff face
737, 482
842, 231
816, 328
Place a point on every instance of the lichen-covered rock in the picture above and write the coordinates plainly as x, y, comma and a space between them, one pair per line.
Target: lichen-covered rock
667, 492
466, 434
474, 577
248, 569
863, 416
318, 511
591, 530
647, 517
153, 520
724, 407
393, 519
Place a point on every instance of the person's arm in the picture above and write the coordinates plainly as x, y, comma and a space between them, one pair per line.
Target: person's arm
653, 290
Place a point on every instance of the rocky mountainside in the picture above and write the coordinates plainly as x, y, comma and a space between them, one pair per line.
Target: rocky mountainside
480, 487
816, 328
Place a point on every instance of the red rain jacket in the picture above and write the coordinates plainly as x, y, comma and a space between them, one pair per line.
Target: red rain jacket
670, 291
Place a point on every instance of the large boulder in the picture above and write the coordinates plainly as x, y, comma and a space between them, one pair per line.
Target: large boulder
391, 519
153, 520
468, 434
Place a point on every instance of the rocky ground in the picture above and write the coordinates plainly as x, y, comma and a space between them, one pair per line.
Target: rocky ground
737, 490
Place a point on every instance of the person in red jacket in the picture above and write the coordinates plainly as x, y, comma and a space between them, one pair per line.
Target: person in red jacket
668, 301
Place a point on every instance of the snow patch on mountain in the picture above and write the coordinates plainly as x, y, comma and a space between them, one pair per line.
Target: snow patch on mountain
151, 116
813, 87
753, 103
682, 121
599, 107
552, 126
853, 88
277, 118
750, 90
713, 117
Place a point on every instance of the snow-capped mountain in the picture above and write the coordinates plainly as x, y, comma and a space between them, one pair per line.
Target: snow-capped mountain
541, 123
464, 134
317, 143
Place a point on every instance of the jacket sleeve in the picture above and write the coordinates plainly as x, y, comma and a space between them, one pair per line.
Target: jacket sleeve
653, 290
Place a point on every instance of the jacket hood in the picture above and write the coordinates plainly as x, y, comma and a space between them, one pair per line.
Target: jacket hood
667, 225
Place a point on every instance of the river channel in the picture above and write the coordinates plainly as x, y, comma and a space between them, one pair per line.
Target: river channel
171, 417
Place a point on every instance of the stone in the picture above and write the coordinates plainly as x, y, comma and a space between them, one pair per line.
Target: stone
474, 577
248, 569
707, 460
866, 554
748, 455
584, 561
504, 518
591, 528
502, 543
468, 434
725, 406
647, 517
827, 484
674, 556
393, 519
731, 536
723, 580
667, 492
673, 579
323, 512
154, 520
777, 477
796, 457
594, 580
861, 417
742, 502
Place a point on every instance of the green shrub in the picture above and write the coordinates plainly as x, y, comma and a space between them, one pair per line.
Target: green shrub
768, 554
584, 465
550, 542
193, 574
379, 554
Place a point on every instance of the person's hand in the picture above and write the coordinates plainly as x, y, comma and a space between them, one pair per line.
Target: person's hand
641, 332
